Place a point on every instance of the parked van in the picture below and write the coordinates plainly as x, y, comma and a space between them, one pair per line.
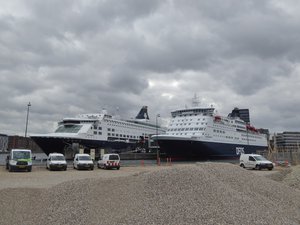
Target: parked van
19, 159
255, 161
83, 161
56, 161
109, 161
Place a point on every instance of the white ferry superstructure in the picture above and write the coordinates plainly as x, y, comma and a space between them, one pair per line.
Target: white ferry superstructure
98, 131
200, 133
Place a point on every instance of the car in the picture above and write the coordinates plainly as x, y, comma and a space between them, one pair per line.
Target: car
83, 161
19, 159
109, 161
56, 161
255, 161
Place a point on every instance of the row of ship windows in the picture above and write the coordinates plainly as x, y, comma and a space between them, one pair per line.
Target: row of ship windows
236, 138
249, 139
95, 128
237, 122
223, 126
182, 129
204, 114
228, 137
108, 129
219, 131
117, 135
100, 128
186, 133
187, 120
114, 123
126, 125
184, 124
251, 136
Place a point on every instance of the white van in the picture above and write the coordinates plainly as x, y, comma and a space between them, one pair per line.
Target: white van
56, 161
19, 159
83, 161
255, 161
109, 161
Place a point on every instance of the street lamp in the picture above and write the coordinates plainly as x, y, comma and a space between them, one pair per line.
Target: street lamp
157, 148
28, 105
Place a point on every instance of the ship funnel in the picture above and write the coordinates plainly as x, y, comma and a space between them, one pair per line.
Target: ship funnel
243, 114
143, 114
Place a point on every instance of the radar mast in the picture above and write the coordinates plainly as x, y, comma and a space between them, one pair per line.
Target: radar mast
195, 101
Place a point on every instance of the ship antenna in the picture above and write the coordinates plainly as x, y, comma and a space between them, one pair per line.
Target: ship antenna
195, 101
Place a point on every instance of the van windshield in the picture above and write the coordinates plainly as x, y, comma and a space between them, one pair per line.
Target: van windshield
113, 157
57, 157
259, 158
84, 157
21, 155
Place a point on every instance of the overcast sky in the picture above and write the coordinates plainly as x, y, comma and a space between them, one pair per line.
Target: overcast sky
71, 57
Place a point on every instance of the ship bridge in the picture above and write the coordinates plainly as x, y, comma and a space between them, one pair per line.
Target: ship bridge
193, 111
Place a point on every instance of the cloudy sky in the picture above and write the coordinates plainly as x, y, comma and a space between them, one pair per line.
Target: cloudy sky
70, 57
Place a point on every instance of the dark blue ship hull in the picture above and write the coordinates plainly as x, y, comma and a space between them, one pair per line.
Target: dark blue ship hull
64, 145
189, 149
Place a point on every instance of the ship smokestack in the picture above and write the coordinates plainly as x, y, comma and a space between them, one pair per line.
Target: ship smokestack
143, 114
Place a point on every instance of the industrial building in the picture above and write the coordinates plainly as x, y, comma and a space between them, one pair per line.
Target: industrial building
287, 140
7, 142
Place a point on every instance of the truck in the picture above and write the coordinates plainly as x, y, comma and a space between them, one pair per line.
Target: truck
19, 159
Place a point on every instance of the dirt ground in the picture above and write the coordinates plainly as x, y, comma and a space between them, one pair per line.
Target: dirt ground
40, 177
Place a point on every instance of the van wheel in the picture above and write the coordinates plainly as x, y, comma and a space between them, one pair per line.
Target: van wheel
118, 168
242, 165
257, 167
29, 169
10, 169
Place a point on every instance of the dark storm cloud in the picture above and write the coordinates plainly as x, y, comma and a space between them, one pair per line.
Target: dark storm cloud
85, 17
69, 57
248, 75
128, 82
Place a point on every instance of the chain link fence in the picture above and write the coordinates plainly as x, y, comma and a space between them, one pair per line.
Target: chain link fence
283, 156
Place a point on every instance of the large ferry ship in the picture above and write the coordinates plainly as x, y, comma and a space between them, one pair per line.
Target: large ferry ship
98, 131
199, 132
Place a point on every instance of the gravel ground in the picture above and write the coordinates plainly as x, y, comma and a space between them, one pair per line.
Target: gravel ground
293, 177
203, 193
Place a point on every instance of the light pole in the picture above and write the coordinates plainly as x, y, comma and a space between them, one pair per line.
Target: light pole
28, 105
157, 148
